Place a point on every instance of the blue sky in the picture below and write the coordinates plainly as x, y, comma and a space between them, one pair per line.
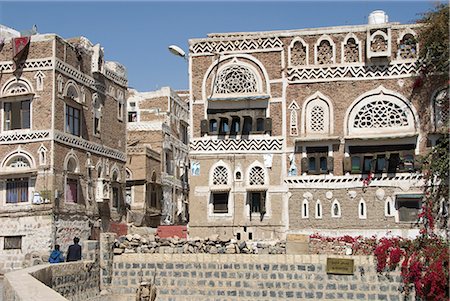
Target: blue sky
138, 33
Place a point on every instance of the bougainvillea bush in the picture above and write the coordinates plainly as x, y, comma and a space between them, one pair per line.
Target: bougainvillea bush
423, 261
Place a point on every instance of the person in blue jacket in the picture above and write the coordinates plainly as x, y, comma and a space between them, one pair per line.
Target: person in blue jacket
56, 256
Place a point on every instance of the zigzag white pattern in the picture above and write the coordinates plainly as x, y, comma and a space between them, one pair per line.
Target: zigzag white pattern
79, 76
7, 138
310, 74
41, 64
250, 145
89, 146
236, 44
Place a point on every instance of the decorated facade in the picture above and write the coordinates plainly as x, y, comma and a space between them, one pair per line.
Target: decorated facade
314, 130
157, 186
62, 144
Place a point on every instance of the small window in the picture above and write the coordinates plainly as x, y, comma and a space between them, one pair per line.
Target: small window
12, 243
238, 175
408, 207
224, 126
318, 210
17, 190
247, 128
381, 163
367, 165
335, 209
305, 209
356, 164
257, 202
260, 125
220, 202
119, 110
317, 160
362, 211
235, 125
213, 126
73, 117
16, 115
72, 190
132, 116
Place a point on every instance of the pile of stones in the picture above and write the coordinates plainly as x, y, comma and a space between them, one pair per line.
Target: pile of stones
135, 243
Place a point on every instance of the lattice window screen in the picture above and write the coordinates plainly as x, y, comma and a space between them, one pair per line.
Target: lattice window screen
256, 176
298, 54
324, 53
381, 114
317, 119
220, 176
351, 51
236, 79
441, 108
294, 123
408, 47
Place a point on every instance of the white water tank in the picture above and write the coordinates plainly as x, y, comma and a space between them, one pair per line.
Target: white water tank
378, 17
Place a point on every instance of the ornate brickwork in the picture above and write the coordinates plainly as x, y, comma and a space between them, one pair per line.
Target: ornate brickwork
250, 145
7, 138
89, 146
236, 45
359, 72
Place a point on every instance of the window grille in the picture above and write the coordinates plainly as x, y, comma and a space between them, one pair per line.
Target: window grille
236, 79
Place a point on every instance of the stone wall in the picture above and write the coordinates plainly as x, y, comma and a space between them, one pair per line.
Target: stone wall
212, 245
249, 277
73, 281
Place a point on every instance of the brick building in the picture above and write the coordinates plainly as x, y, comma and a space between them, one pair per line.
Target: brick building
309, 130
157, 134
62, 143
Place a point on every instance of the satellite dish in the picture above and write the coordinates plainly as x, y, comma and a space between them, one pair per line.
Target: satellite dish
177, 50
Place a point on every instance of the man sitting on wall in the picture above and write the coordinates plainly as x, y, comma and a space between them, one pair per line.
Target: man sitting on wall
74, 251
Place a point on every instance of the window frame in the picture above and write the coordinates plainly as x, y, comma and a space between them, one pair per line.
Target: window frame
16, 100
26, 180
5, 238
225, 202
67, 109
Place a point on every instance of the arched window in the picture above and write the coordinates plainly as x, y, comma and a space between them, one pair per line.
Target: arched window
380, 112
362, 210
336, 209
318, 209
220, 189
407, 48
351, 50
220, 176
388, 207
236, 78
16, 110
441, 108
116, 189
298, 53
325, 51
260, 124
256, 176
317, 116
305, 209
97, 113
72, 178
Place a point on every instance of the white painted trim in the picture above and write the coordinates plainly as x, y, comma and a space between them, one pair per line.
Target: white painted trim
318, 205
339, 214
305, 209
362, 202
327, 100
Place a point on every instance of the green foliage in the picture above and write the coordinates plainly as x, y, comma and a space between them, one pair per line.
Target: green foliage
434, 37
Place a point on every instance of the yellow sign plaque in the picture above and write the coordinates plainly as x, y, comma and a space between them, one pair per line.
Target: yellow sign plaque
342, 266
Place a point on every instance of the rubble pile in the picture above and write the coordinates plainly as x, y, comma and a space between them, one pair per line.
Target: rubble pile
135, 243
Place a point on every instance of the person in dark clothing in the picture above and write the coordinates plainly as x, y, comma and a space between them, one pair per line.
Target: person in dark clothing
74, 251
56, 256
